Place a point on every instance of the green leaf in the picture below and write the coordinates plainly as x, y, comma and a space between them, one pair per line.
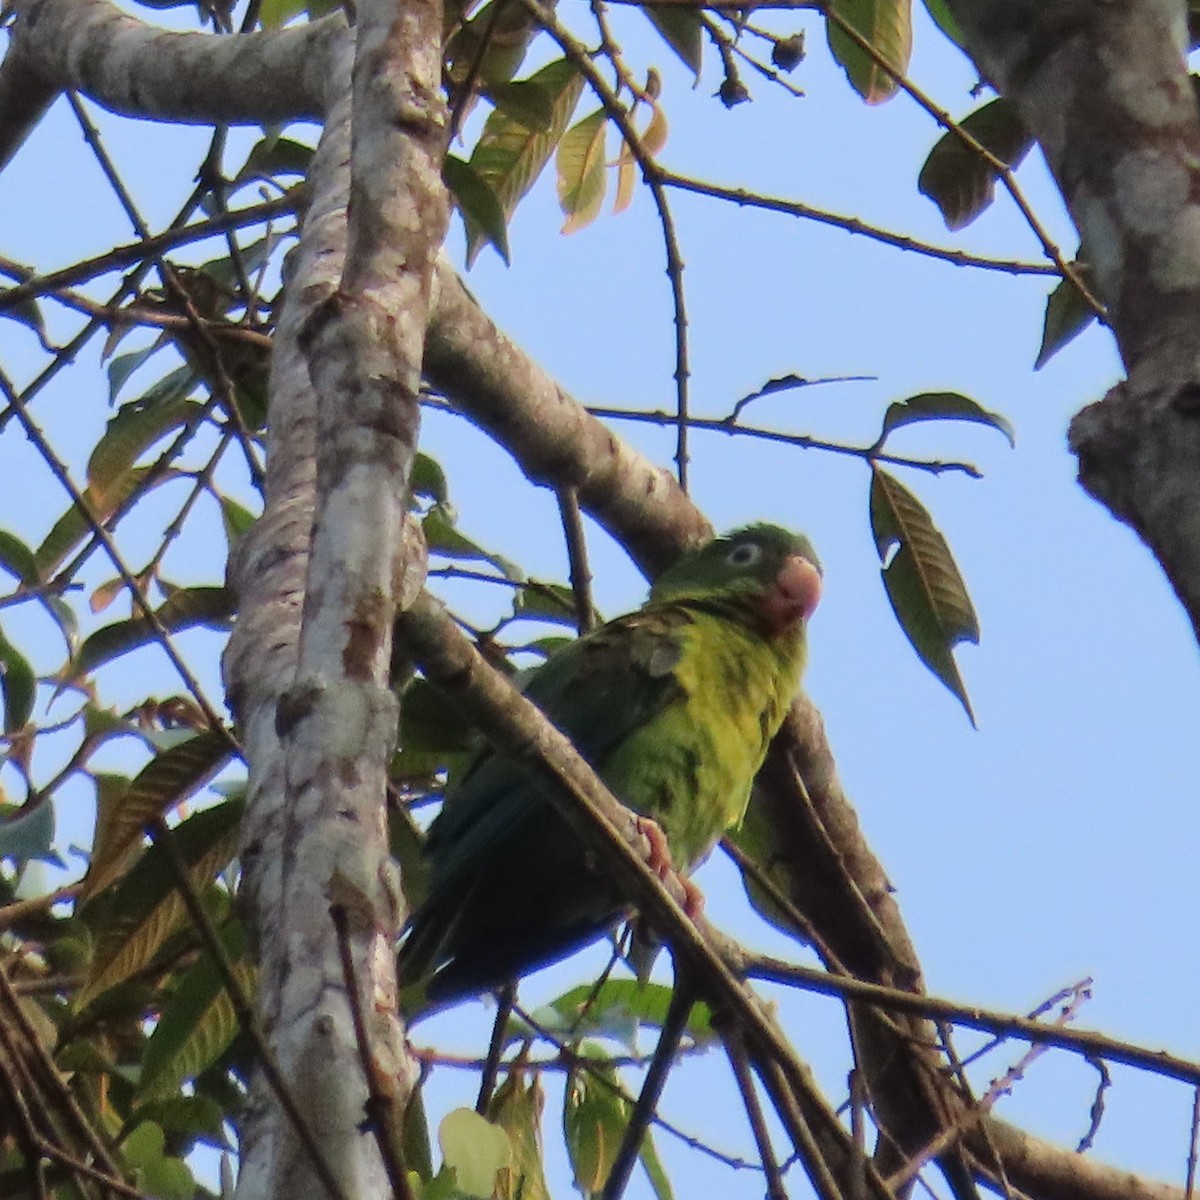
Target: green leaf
956, 178
442, 538
19, 685
198, 1023
211, 607
476, 1149
196, 1118
274, 156
477, 202
942, 406
275, 13
922, 580
29, 834
1068, 314
510, 157
595, 1113
618, 1005
887, 26
683, 30
235, 518
517, 1108
157, 1173
581, 171
944, 19
428, 479
654, 1169
73, 526
135, 918
525, 101
17, 558
124, 365
538, 601
132, 430
167, 780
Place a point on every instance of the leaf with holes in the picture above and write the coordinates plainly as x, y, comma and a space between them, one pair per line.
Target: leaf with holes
1068, 314
942, 406
887, 26
132, 920
922, 580
956, 178
168, 779
509, 157
211, 607
581, 171
197, 1024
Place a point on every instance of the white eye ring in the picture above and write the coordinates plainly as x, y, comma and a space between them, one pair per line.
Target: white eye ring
744, 554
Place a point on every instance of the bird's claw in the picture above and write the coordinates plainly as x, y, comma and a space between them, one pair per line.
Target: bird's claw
661, 865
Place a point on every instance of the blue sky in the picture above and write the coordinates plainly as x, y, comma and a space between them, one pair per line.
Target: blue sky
1054, 842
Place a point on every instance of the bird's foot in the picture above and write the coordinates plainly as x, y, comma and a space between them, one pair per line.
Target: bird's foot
660, 850
661, 865
693, 897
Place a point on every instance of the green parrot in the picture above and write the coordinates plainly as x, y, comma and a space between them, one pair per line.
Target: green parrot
674, 706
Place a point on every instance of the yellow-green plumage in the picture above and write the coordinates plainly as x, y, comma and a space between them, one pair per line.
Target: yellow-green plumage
674, 706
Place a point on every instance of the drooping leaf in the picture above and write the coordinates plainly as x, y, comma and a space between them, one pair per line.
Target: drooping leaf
18, 683
134, 919
132, 430
654, 1169
477, 202
887, 26
124, 365
510, 157
1068, 314
198, 1023
595, 1113
517, 1108
956, 178
163, 783
187, 608
653, 140
17, 559
922, 580
73, 526
581, 171
476, 1150
683, 30
942, 406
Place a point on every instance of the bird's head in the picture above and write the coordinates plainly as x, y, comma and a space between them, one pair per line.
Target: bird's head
769, 571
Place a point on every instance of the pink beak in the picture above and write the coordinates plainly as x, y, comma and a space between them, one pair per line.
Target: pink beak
794, 595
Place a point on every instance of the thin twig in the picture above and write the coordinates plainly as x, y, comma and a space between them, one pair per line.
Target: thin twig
730, 428
577, 558
506, 998
740, 1065
652, 175
382, 1110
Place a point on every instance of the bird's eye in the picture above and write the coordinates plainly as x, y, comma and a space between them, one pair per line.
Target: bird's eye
744, 554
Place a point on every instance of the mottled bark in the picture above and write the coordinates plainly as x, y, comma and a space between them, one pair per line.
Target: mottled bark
1105, 89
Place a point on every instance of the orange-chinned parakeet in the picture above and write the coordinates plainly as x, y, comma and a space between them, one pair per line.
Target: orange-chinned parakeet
674, 706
